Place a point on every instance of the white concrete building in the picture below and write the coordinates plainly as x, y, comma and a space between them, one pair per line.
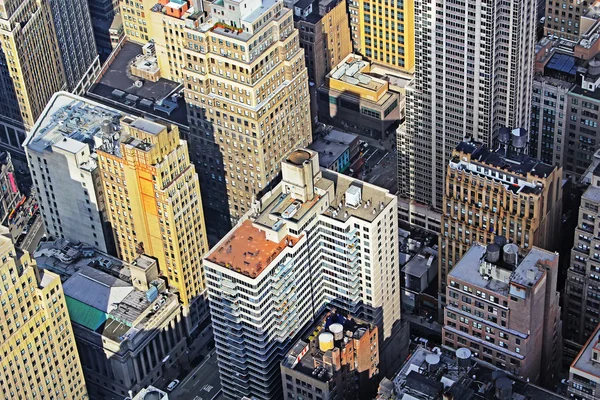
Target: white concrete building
62, 160
318, 238
473, 75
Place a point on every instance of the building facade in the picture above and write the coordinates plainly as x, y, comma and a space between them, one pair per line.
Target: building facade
63, 164
497, 193
37, 336
153, 203
468, 84
317, 224
549, 119
10, 194
130, 332
385, 32
338, 356
582, 290
504, 308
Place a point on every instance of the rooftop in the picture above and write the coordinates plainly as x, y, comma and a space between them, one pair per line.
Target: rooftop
247, 250
338, 136
426, 375
98, 290
329, 152
592, 193
70, 122
306, 356
510, 167
121, 89
351, 70
253, 244
419, 265
477, 268
584, 362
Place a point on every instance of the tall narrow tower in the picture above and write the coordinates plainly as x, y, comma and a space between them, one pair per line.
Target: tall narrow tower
153, 203
473, 75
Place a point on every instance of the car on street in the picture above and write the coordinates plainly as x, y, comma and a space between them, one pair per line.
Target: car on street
172, 385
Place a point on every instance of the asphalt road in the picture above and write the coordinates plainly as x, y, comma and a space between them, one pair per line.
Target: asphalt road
383, 169
203, 383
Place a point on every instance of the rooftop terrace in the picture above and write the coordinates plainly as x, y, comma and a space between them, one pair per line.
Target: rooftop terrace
247, 250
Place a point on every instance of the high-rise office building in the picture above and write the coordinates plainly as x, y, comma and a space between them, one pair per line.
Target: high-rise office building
77, 47
40, 359
497, 193
153, 203
63, 165
318, 238
246, 87
474, 72
582, 290
384, 32
505, 309
46, 46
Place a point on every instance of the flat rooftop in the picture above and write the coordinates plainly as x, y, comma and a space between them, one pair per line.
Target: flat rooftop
526, 274
117, 87
583, 362
350, 72
506, 159
328, 151
247, 250
419, 265
70, 122
592, 193
374, 198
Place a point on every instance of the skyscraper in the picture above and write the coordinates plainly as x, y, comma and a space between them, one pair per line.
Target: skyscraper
40, 359
246, 88
581, 289
473, 75
318, 238
46, 46
61, 151
497, 193
153, 203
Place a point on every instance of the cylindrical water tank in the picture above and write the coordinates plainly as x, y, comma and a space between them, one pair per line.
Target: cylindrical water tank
594, 67
325, 341
107, 128
504, 135
463, 357
519, 138
503, 388
492, 253
433, 362
510, 253
337, 330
